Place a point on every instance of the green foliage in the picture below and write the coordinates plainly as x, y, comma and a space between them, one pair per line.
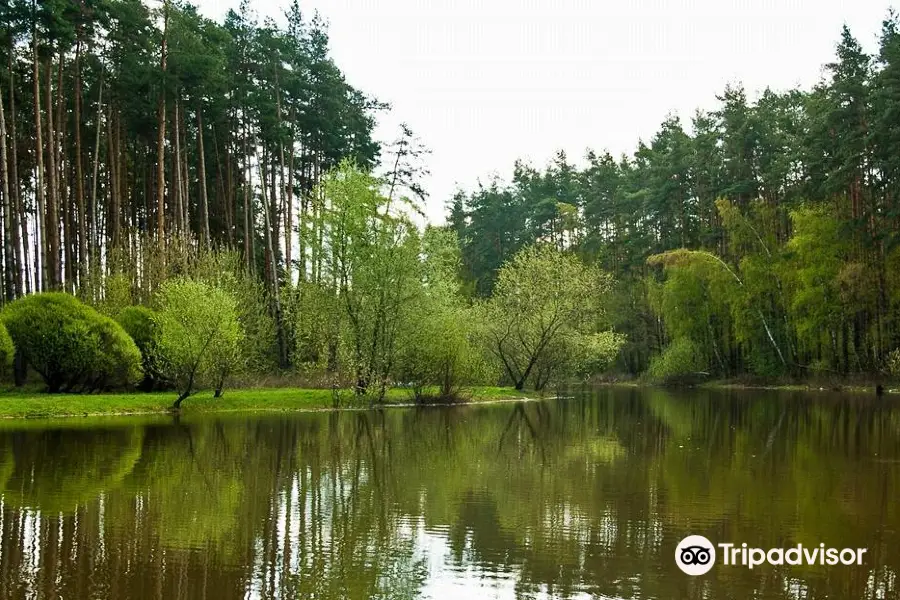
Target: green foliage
200, 335
893, 363
575, 355
594, 353
375, 249
681, 359
542, 296
7, 351
437, 344
71, 345
118, 362
253, 304
117, 295
141, 324
774, 220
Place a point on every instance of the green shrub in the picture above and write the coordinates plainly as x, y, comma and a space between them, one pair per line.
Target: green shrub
7, 351
71, 345
141, 323
893, 363
118, 361
681, 359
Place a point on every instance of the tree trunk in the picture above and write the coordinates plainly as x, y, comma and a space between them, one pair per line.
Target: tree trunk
204, 206
79, 172
63, 194
248, 183
220, 385
9, 265
40, 276
185, 181
289, 217
161, 139
95, 237
176, 170
114, 203
52, 215
184, 395
273, 270
19, 217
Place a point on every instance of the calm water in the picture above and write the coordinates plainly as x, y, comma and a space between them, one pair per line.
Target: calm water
577, 498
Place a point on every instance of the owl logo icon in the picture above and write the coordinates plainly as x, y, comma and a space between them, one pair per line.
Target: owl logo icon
695, 555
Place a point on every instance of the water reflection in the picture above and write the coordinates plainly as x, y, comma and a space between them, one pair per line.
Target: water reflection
585, 497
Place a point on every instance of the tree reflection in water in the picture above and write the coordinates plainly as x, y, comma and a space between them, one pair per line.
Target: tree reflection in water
585, 496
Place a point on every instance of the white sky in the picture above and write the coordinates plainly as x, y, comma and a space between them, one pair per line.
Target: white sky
484, 82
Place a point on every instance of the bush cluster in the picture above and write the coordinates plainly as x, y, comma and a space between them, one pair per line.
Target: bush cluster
142, 324
72, 346
681, 360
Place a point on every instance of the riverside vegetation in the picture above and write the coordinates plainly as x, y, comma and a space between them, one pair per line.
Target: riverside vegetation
189, 205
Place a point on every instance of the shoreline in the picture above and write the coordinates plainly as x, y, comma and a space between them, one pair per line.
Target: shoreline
25, 406
855, 387
18, 405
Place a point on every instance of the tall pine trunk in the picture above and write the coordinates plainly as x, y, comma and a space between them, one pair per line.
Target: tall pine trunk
272, 269
204, 206
176, 170
161, 138
19, 220
40, 275
79, 173
95, 235
9, 262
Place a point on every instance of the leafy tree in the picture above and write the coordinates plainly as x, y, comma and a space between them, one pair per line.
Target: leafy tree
541, 295
437, 344
199, 334
374, 252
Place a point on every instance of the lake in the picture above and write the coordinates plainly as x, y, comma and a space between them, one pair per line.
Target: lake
582, 497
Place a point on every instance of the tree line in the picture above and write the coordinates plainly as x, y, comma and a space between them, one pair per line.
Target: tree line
128, 128
761, 238
213, 192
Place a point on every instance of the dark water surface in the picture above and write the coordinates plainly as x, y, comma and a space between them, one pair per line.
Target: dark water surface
577, 498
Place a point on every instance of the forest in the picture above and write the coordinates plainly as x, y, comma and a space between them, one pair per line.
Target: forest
189, 204
759, 239
193, 204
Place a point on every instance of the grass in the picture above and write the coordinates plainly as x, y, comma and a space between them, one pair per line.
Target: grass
16, 404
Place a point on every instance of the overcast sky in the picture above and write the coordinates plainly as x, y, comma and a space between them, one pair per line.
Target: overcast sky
484, 82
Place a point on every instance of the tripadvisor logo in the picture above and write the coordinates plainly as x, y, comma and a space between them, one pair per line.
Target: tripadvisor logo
696, 555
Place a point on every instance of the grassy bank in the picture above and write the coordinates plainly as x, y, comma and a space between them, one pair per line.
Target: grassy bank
15, 404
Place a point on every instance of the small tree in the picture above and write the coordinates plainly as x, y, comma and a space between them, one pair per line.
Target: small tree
374, 248
199, 333
437, 345
576, 355
541, 296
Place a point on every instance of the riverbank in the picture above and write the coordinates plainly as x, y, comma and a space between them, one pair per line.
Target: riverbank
854, 386
15, 404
